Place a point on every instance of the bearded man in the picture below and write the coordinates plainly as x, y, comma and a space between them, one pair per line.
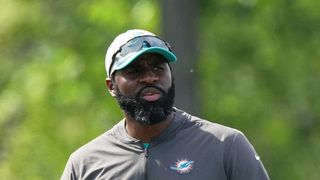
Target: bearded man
155, 140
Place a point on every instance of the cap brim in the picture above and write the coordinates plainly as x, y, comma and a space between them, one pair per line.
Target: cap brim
170, 57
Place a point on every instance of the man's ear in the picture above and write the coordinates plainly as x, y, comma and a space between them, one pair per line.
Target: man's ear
111, 87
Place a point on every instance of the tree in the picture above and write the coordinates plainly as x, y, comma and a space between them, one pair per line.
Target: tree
179, 25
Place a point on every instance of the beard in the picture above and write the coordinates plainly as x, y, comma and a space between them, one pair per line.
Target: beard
144, 112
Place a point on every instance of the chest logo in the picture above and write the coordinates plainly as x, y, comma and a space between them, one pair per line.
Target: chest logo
182, 166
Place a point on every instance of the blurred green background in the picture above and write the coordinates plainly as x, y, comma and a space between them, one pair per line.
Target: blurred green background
257, 70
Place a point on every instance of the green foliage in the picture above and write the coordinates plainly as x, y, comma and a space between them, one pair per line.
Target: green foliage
53, 97
260, 68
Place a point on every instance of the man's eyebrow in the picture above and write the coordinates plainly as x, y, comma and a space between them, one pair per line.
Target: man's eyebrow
154, 62
133, 65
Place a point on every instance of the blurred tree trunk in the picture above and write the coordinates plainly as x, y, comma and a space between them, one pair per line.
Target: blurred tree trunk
178, 19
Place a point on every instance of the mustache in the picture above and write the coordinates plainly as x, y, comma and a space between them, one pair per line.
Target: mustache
149, 86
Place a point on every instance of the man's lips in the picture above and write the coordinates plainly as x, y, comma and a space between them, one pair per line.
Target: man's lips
150, 94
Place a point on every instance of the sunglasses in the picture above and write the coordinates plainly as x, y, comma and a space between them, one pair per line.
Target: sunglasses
141, 42
138, 43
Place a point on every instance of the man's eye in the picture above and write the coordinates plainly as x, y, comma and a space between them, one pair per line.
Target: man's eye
158, 69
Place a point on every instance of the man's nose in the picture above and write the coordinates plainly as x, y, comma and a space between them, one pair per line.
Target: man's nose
149, 77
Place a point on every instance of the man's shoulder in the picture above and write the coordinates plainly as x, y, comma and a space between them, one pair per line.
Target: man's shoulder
92, 148
215, 128
204, 126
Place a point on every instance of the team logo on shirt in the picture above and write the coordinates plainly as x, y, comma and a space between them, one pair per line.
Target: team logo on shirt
183, 166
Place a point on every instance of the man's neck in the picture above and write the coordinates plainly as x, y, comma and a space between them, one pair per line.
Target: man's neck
146, 132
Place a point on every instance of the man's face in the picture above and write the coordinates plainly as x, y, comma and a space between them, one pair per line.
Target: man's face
145, 90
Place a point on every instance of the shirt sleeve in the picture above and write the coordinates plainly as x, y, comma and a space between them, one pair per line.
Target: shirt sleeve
69, 172
243, 161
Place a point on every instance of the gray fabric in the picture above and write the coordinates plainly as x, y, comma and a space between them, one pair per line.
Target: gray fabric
208, 150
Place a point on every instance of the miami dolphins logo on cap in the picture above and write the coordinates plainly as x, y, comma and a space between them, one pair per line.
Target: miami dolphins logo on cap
183, 166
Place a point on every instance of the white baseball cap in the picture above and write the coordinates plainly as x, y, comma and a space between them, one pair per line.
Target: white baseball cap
127, 46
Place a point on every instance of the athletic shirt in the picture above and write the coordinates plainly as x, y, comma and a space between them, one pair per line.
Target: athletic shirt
190, 148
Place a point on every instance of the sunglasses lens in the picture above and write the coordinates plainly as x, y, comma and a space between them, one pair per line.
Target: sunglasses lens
139, 43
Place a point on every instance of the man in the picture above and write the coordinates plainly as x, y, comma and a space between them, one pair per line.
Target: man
156, 140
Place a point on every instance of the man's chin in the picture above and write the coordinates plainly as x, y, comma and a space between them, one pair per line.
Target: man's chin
151, 117
148, 111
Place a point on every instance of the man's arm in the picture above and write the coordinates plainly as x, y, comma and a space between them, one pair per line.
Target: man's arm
243, 161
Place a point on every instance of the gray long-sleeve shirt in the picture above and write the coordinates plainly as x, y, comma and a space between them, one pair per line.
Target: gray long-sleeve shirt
190, 148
